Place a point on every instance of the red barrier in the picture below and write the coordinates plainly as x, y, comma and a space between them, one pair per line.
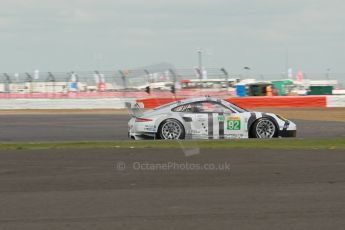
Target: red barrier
255, 102
280, 102
150, 103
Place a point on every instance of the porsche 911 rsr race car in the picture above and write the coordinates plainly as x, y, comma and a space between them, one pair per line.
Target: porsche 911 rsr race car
205, 118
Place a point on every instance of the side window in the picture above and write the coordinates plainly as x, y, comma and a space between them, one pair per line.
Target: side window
211, 107
223, 109
184, 108
202, 107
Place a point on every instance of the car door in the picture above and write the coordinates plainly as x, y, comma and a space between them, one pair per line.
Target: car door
195, 123
235, 124
222, 122
209, 119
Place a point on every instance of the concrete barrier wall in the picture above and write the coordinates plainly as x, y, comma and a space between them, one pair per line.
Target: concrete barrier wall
335, 101
124, 94
119, 103
105, 103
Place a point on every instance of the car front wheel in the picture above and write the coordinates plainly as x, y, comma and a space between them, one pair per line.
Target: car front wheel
264, 128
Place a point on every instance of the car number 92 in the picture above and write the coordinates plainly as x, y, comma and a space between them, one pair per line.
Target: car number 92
233, 124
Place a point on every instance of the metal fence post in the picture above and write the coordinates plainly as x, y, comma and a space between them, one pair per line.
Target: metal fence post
226, 79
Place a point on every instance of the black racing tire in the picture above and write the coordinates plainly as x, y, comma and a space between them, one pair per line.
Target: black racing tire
264, 128
171, 129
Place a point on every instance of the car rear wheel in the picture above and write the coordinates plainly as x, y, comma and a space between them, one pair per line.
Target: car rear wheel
171, 129
264, 128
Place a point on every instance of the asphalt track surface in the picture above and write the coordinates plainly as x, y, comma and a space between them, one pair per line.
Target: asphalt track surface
120, 189
21, 128
164, 189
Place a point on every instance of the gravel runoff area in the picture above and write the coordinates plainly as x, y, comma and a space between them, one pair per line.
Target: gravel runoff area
312, 114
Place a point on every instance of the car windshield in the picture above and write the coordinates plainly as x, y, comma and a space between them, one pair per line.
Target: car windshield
227, 104
235, 107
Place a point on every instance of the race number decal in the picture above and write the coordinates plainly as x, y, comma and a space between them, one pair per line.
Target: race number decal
233, 123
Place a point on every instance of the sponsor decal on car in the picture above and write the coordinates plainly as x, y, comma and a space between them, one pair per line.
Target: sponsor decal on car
221, 118
194, 131
201, 118
236, 136
150, 128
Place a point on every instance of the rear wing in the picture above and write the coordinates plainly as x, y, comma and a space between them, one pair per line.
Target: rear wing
134, 109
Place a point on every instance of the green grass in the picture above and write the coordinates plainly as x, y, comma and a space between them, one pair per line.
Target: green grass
338, 143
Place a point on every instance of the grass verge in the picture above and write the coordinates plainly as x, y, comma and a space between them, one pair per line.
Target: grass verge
303, 144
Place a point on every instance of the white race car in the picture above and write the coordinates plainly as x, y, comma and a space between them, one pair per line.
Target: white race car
205, 118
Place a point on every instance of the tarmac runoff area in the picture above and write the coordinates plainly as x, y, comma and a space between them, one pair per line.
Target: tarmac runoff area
110, 125
132, 189
152, 188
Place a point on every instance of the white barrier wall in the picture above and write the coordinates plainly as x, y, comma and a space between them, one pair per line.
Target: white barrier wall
335, 101
104, 103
